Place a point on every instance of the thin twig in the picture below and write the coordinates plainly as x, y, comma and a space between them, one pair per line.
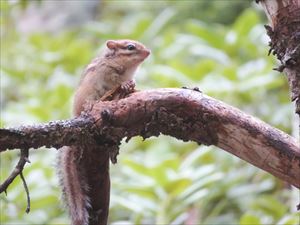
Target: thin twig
18, 169
27, 192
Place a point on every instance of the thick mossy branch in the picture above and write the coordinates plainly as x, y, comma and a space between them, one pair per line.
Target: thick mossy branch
185, 114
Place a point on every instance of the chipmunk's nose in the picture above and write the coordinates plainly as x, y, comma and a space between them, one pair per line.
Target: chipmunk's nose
147, 52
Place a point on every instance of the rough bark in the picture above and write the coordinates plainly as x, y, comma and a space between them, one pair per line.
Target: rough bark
284, 32
185, 114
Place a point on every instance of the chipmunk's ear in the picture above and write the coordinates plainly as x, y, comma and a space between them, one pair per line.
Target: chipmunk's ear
111, 44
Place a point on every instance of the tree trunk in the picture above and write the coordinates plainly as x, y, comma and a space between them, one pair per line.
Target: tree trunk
284, 31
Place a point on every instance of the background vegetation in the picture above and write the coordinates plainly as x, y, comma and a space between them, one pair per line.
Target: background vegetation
219, 46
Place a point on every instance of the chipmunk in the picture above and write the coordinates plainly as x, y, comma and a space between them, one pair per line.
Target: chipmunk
113, 68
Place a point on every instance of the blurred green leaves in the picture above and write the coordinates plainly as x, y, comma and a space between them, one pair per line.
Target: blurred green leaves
160, 180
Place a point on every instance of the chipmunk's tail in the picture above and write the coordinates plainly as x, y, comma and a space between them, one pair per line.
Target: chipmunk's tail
74, 186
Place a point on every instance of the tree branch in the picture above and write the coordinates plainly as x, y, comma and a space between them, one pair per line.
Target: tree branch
185, 114
53, 134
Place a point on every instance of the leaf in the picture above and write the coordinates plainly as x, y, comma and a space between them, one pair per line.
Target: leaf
292, 219
245, 22
176, 187
270, 206
211, 35
248, 219
158, 24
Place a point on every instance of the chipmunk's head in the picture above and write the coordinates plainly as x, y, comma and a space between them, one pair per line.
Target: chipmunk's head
127, 52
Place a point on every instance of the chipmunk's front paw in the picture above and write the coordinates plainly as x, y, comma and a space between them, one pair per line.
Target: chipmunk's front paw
127, 87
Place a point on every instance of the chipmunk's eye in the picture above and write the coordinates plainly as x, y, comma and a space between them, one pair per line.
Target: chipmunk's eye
130, 47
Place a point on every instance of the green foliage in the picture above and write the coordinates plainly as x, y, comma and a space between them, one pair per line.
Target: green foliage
160, 180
